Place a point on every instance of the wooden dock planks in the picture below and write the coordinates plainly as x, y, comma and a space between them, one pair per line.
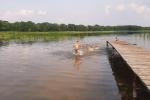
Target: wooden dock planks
136, 57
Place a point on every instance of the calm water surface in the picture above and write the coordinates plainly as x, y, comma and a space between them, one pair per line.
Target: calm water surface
50, 71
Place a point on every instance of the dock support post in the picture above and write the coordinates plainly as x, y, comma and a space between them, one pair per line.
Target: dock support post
107, 44
134, 87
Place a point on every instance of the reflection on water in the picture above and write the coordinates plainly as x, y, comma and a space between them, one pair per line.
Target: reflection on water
141, 39
145, 36
4, 43
48, 70
77, 61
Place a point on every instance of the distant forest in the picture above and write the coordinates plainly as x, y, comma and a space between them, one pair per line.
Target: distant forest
46, 27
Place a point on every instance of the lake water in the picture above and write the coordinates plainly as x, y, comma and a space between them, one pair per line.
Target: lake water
48, 70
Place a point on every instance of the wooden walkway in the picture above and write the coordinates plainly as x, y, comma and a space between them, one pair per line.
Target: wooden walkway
136, 57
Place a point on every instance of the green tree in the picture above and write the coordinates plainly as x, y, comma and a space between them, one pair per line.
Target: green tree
71, 27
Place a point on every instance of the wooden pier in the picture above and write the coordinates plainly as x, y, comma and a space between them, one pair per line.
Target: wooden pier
137, 58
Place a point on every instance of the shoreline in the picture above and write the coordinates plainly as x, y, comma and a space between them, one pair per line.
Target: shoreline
15, 35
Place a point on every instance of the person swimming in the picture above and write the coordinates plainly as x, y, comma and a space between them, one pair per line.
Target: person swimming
77, 46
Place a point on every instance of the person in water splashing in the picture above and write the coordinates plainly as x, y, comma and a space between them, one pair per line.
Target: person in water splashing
77, 46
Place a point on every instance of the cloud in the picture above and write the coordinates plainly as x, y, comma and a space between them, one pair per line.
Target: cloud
41, 12
18, 13
108, 9
114, 8
120, 7
134, 7
7, 15
140, 9
61, 20
25, 12
21, 14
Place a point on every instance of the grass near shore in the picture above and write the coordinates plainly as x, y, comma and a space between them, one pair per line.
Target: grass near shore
54, 35
45, 35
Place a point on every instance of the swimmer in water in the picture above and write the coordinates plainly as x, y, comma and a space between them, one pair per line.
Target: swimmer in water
77, 46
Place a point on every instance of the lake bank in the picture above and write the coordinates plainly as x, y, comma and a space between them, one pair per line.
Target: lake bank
12, 35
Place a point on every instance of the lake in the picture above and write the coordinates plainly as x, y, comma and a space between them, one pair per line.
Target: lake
48, 70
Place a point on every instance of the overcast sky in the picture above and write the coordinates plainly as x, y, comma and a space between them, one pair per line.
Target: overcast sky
102, 12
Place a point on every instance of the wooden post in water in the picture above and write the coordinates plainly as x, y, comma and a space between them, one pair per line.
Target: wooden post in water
134, 87
107, 44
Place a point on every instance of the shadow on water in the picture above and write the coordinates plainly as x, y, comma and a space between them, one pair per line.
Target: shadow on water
130, 86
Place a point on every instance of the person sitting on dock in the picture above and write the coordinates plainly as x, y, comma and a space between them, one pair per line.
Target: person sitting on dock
77, 46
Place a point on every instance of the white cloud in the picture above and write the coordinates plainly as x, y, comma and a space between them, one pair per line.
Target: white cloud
61, 20
120, 7
137, 7
20, 14
24, 12
108, 9
41, 12
140, 8
133, 5
6, 15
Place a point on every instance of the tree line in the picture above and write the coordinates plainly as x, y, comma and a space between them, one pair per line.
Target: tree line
46, 27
